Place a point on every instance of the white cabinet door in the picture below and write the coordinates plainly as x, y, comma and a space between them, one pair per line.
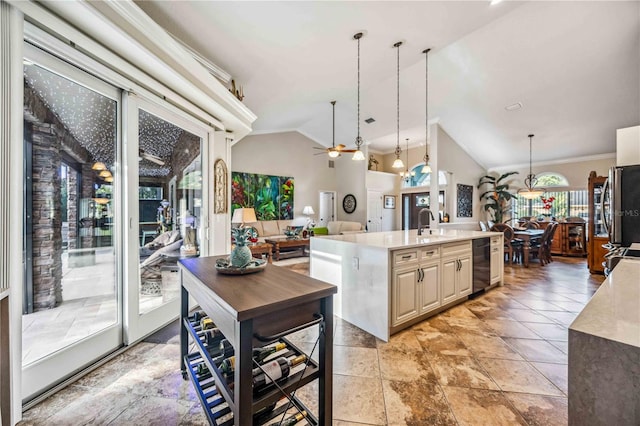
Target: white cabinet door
449, 272
465, 276
404, 295
496, 264
429, 287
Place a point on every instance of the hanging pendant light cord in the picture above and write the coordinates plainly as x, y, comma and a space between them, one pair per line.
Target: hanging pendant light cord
426, 107
358, 140
398, 99
333, 123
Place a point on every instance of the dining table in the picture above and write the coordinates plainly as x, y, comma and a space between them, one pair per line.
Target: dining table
527, 235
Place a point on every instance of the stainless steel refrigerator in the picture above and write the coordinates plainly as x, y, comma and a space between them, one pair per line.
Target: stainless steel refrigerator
621, 205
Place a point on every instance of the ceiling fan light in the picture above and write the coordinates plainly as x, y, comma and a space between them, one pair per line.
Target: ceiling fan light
334, 153
426, 169
398, 164
358, 156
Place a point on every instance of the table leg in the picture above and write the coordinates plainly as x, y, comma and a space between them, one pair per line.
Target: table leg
277, 252
269, 256
525, 252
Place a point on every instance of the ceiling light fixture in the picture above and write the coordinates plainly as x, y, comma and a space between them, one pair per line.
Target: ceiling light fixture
406, 174
494, 2
530, 191
514, 107
358, 155
98, 165
104, 174
426, 168
397, 164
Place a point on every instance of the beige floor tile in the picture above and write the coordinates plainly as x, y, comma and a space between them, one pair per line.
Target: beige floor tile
563, 346
539, 410
354, 361
434, 324
519, 376
442, 343
481, 407
403, 363
537, 350
420, 402
557, 373
350, 335
469, 325
541, 305
461, 371
489, 347
528, 316
154, 411
571, 306
100, 408
511, 329
564, 318
404, 340
358, 399
547, 331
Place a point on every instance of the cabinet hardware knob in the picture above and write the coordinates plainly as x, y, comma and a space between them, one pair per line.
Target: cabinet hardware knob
406, 256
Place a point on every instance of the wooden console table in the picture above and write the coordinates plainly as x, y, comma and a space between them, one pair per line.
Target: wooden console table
252, 310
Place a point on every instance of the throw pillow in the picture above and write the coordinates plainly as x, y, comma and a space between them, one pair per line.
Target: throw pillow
321, 230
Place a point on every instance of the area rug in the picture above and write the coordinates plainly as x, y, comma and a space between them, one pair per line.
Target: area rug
298, 264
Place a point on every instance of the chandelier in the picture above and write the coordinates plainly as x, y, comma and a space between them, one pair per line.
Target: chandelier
427, 168
358, 155
407, 175
398, 164
530, 191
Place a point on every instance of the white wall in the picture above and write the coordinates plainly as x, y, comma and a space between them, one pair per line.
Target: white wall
628, 146
351, 179
290, 154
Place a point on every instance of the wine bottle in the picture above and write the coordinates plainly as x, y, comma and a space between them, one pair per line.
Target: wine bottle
197, 316
207, 323
228, 366
213, 337
259, 354
290, 421
275, 370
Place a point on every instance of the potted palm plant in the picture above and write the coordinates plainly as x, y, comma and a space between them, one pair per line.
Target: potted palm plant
497, 195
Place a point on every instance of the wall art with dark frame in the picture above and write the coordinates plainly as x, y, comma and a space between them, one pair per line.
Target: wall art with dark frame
465, 200
389, 201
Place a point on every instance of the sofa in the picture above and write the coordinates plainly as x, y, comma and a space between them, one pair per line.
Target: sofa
276, 228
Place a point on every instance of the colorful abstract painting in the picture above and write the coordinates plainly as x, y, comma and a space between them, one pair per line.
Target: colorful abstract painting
270, 196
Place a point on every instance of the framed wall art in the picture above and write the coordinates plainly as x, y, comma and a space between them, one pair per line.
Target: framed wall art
465, 200
389, 201
270, 196
220, 175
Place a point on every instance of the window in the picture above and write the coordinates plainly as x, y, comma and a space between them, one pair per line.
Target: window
546, 180
150, 192
417, 178
564, 204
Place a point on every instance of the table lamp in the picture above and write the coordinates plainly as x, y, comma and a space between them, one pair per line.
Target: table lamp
308, 211
244, 215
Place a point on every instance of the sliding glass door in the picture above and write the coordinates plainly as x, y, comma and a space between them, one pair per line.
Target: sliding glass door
72, 306
166, 213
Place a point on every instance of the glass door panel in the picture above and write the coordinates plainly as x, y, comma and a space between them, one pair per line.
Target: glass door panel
166, 211
71, 306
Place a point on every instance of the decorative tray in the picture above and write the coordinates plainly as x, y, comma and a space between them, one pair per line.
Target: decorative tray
223, 266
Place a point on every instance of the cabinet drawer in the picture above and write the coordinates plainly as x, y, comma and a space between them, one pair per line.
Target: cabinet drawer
404, 257
495, 241
429, 253
456, 249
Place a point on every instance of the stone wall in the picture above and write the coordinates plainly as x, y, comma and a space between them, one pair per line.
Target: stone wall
72, 208
47, 224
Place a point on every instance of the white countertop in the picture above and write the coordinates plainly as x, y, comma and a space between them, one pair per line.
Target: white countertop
407, 239
613, 312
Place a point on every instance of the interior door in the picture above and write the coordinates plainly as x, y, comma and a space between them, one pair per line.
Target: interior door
374, 211
72, 312
327, 209
165, 209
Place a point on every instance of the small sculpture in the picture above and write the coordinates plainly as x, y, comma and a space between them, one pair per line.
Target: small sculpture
372, 161
241, 253
238, 93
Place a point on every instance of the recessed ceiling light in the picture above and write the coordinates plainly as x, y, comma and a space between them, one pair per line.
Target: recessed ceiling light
369, 120
514, 107
494, 2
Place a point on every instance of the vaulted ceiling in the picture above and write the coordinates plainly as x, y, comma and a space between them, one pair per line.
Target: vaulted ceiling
574, 66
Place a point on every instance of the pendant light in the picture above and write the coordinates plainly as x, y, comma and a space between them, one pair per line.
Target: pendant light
407, 174
427, 168
358, 155
530, 191
398, 164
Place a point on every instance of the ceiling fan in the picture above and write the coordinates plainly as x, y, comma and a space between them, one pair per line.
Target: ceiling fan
143, 155
334, 151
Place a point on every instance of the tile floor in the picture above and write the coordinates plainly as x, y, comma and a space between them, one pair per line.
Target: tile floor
499, 359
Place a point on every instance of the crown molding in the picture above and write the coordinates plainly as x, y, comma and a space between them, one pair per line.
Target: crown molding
595, 157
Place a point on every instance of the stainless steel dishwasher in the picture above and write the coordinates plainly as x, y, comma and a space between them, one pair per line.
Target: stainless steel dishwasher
481, 264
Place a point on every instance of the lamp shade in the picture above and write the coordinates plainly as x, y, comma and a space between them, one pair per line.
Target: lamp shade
244, 215
308, 210
98, 165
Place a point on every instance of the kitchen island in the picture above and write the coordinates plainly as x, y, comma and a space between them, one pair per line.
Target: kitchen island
604, 353
388, 281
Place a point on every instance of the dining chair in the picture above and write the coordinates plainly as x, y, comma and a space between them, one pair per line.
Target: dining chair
510, 246
541, 249
549, 242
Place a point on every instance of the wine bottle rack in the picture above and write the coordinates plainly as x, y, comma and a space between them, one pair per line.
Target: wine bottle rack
277, 302
208, 387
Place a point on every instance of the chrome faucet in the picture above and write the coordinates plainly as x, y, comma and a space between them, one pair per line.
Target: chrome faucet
426, 225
